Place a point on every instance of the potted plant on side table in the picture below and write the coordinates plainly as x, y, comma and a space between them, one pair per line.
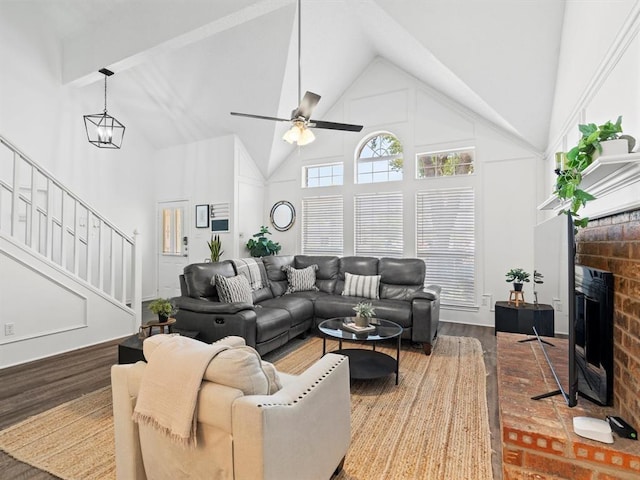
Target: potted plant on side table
518, 276
163, 308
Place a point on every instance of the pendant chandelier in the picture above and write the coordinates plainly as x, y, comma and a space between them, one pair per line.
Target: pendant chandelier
103, 130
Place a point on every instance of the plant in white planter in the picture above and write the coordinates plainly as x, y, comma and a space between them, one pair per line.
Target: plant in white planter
580, 157
364, 312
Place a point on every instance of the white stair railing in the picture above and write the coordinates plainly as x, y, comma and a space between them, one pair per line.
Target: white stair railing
41, 213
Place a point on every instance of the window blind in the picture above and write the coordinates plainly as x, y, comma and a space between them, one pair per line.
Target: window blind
378, 225
445, 231
322, 225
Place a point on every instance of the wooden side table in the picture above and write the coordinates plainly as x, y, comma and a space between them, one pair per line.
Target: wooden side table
154, 323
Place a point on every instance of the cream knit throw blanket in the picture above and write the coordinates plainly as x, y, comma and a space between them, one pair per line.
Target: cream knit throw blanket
169, 387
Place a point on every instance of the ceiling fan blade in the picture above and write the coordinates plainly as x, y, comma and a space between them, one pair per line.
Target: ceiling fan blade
334, 126
307, 104
261, 117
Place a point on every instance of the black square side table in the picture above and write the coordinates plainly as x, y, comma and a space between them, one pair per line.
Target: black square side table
523, 318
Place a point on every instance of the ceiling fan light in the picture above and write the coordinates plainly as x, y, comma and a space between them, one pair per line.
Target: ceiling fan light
291, 135
306, 137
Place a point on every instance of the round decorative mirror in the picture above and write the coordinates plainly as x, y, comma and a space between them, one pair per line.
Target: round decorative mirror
283, 215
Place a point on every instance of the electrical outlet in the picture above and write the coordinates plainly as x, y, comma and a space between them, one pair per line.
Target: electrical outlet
8, 329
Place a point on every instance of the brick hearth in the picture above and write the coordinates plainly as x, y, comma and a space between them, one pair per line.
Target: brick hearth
538, 441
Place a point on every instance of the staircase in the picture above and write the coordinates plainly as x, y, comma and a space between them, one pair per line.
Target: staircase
68, 257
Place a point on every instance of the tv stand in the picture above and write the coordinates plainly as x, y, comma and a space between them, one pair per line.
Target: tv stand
533, 339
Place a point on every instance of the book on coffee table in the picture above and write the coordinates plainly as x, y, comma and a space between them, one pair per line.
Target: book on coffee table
352, 327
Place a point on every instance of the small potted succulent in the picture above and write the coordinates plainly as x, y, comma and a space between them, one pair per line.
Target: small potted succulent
163, 308
517, 276
364, 312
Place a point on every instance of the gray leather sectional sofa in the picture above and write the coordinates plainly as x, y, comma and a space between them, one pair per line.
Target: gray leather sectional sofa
276, 317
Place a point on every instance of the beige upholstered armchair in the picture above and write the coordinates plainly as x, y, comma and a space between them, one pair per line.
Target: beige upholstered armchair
302, 431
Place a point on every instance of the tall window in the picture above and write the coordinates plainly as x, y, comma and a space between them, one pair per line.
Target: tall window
379, 159
445, 163
378, 225
323, 175
445, 231
322, 225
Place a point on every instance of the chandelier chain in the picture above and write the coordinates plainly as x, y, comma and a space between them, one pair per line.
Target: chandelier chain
105, 94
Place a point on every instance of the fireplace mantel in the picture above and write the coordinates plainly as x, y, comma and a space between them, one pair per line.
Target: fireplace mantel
604, 176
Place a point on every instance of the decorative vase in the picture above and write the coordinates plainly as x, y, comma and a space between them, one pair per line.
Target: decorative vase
362, 321
619, 146
162, 318
517, 287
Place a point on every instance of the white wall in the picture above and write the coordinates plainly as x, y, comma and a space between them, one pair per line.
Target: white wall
385, 98
598, 78
44, 120
212, 171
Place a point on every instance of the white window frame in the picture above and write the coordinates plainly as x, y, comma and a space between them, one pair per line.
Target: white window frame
378, 233
322, 228
373, 160
333, 176
447, 151
446, 241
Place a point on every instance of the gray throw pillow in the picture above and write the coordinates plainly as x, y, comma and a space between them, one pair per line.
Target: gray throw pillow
301, 280
233, 289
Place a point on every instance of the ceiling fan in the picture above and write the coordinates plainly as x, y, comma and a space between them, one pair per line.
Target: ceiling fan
300, 120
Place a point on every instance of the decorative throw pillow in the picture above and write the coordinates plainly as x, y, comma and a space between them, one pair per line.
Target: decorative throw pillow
233, 289
301, 280
367, 286
242, 368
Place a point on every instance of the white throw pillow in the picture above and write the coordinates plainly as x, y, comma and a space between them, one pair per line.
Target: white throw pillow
233, 289
367, 286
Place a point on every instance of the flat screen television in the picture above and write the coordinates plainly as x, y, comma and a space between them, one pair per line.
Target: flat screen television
587, 294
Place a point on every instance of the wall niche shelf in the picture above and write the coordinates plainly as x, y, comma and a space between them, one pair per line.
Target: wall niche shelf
605, 175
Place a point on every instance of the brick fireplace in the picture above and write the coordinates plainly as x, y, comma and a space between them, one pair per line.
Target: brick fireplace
538, 441
613, 244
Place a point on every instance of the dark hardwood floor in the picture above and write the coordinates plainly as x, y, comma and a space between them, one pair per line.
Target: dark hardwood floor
38, 386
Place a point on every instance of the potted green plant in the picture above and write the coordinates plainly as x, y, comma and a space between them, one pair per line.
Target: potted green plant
215, 247
163, 308
364, 312
517, 276
261, 246
578, 159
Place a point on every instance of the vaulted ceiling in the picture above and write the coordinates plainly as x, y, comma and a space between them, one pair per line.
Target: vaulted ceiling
182, 65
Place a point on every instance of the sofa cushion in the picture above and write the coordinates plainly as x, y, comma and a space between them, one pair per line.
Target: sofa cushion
301, 280
277, 278
233, 289
400, 277
197, 278
271, 322
367, 286
327, 273
300, 308
356, 266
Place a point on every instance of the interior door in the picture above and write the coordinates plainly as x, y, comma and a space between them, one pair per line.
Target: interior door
173, 246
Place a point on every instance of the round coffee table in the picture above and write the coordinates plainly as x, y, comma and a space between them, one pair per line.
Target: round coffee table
365, 364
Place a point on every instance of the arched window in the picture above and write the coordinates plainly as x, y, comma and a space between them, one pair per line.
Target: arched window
379, 159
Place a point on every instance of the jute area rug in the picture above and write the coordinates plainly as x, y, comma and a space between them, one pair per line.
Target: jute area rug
433, 425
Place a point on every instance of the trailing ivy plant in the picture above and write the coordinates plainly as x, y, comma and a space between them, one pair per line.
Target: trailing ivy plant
260, 246
579, 158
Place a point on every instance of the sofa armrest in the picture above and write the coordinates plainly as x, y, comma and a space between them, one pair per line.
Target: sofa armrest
425, 306
206, 306
302, 431
125, 382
